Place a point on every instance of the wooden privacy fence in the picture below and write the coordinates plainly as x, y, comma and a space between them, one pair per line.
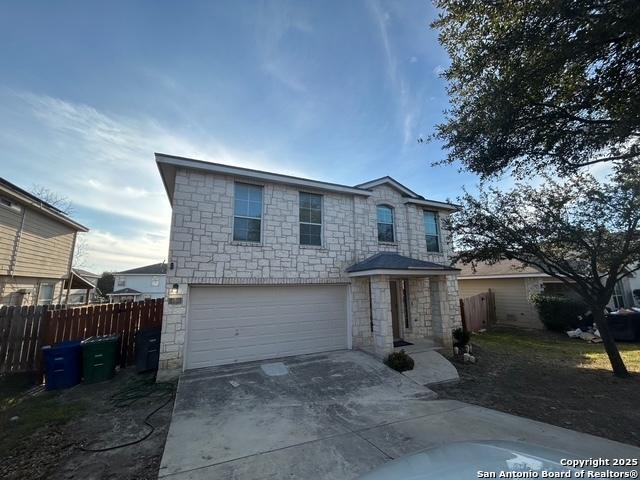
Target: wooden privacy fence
25, 330
479, 311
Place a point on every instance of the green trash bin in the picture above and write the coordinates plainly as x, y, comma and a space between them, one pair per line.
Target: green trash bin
99, 356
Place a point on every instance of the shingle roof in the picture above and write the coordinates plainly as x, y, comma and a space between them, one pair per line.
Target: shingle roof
125, 291
85, 273
155, 269
395, 261
45, 207
501, 268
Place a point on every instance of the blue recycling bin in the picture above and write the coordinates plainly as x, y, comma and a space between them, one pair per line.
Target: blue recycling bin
62, 364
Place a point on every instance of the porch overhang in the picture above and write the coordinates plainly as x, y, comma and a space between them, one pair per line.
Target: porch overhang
402, 273
390, 263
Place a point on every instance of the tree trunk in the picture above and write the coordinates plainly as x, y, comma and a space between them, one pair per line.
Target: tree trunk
619, 369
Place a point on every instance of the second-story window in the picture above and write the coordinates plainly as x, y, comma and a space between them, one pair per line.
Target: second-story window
247, 217
431, 231
385, 224
121, 281
310, 219
155, 281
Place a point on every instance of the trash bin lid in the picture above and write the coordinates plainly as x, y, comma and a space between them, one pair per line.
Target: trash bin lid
65, 344
102, 338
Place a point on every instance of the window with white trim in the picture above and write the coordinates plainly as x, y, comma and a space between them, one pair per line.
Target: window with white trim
247, 217
122, 281
385, 223
431, 231
310, 216
5, 202
618, 296
45, 295
155, 281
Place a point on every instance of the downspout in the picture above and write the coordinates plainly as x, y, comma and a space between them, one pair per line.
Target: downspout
73, 249
16, 244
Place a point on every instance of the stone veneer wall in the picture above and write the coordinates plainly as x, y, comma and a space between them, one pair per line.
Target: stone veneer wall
419, 309
203, 252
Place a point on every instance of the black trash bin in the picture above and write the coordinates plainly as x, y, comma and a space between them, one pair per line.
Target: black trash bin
624, 327
147, 349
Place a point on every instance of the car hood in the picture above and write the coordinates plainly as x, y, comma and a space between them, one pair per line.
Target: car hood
467, 459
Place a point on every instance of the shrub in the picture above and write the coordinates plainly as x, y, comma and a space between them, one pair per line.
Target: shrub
399, 361
559, 313
461, 337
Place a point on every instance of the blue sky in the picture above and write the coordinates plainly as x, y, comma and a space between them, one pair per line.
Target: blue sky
332, 90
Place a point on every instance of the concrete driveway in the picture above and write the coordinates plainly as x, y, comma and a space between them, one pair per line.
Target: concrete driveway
330, 416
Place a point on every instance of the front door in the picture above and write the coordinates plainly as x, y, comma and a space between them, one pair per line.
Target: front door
395, 320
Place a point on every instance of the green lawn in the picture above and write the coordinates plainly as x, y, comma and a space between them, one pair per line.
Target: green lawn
557, 348
552, 378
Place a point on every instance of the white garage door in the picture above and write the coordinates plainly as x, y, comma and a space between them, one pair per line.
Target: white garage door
240, 324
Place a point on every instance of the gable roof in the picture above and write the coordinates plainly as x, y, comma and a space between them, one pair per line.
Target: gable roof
155, 269
126, 291
168, 165
394, 183
85, 273
29, 199
395, 261
501, 269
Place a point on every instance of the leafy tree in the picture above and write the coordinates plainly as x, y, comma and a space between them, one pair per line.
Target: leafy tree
105, 283
538, 84
583, 232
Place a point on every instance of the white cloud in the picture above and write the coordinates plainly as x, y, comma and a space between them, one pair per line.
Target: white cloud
104, 162
109, 252
409, 104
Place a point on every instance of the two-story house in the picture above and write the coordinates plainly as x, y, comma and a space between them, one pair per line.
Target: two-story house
37, 241
139, 283
263, 265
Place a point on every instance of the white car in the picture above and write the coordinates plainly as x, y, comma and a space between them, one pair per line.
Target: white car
473, 460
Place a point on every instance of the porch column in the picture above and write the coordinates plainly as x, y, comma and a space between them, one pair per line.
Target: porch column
381, 314
445, 308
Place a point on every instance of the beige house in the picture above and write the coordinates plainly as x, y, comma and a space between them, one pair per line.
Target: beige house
36, 248
513, 284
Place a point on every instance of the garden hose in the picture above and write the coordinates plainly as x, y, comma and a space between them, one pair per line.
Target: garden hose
129, 395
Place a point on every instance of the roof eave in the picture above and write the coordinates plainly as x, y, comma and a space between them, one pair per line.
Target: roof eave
168, 164
434, 204
44, 210
413, 272
392, 181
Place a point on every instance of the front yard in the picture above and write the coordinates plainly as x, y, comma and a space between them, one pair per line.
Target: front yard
548, 377
47, 435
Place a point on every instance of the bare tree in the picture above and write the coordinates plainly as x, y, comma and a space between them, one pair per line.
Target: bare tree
80, 252
61, 202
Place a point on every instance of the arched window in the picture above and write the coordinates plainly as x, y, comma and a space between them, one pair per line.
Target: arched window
385, 224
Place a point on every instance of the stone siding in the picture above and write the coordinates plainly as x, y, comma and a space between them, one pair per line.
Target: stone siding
202, 250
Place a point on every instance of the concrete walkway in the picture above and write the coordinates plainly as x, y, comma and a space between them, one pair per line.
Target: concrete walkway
330, 416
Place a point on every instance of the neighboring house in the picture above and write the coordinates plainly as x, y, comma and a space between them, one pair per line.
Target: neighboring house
623, 295
37, 241
82, 288
513, 284
263, 265
139, 283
